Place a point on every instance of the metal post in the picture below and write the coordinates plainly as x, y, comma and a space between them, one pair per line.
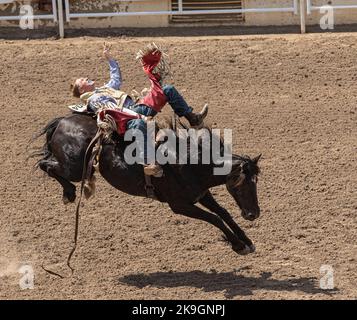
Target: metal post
308, 6
54, 10
296, 9
180, 6
68, 14
60, 18
303, 16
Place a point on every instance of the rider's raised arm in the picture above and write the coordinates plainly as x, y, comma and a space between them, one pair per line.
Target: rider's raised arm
115, 75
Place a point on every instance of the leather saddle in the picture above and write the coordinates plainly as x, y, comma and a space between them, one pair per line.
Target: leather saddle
79, 108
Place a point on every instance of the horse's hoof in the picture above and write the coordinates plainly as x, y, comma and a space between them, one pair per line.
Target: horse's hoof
246, 250
65, 200
68, 199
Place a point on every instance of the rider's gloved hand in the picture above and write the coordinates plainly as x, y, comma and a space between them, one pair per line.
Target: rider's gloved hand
150, 61
106, 51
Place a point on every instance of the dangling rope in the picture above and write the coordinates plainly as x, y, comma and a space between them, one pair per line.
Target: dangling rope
97, 137
91, 145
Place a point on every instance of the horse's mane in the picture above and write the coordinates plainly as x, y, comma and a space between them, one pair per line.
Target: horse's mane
252, 167
175, 124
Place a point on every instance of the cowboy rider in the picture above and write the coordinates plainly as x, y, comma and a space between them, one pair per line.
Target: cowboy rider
86, 90
148, 106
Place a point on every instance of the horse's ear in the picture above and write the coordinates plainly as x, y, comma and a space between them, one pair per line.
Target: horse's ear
256, 159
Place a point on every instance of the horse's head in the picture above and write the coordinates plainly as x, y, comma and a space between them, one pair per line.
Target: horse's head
242, 185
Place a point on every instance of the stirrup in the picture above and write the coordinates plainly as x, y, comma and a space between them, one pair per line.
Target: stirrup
155, 171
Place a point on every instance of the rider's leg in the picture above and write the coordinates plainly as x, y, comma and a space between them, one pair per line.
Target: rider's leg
151, 169
141, 144
181, 108
144, 110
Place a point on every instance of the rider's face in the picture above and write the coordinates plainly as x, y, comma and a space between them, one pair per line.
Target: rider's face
85, 85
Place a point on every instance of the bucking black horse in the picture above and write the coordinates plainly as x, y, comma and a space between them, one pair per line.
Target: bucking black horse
182, 186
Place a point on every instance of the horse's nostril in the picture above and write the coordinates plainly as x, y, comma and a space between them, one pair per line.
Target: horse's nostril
251, 216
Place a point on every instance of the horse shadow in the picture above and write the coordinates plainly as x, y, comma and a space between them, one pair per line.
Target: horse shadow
231, 283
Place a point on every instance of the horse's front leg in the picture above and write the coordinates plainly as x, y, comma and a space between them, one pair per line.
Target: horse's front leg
51, 167
190, 210
211, 204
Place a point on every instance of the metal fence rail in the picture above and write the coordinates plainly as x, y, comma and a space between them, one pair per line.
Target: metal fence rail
311, 7
61, 13
52, 16
180, 11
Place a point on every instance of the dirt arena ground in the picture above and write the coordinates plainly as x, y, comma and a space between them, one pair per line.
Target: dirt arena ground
290, 97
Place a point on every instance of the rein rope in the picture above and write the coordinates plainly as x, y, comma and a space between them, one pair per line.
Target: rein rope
98, 138
92, 143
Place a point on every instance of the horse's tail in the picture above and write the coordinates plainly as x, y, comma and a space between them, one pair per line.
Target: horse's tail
45, 151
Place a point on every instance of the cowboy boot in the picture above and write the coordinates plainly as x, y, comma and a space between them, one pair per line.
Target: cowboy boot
196, 119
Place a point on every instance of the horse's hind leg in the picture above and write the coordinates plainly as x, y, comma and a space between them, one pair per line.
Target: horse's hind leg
51, 167
210, 203
69, 189
190, 210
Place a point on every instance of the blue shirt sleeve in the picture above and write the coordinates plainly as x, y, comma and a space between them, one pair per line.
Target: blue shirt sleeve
115, 75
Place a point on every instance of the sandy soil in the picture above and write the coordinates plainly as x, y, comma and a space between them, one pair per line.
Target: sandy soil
290, 97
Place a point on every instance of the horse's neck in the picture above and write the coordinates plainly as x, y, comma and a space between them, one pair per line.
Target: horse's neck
205, 174
211, 177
